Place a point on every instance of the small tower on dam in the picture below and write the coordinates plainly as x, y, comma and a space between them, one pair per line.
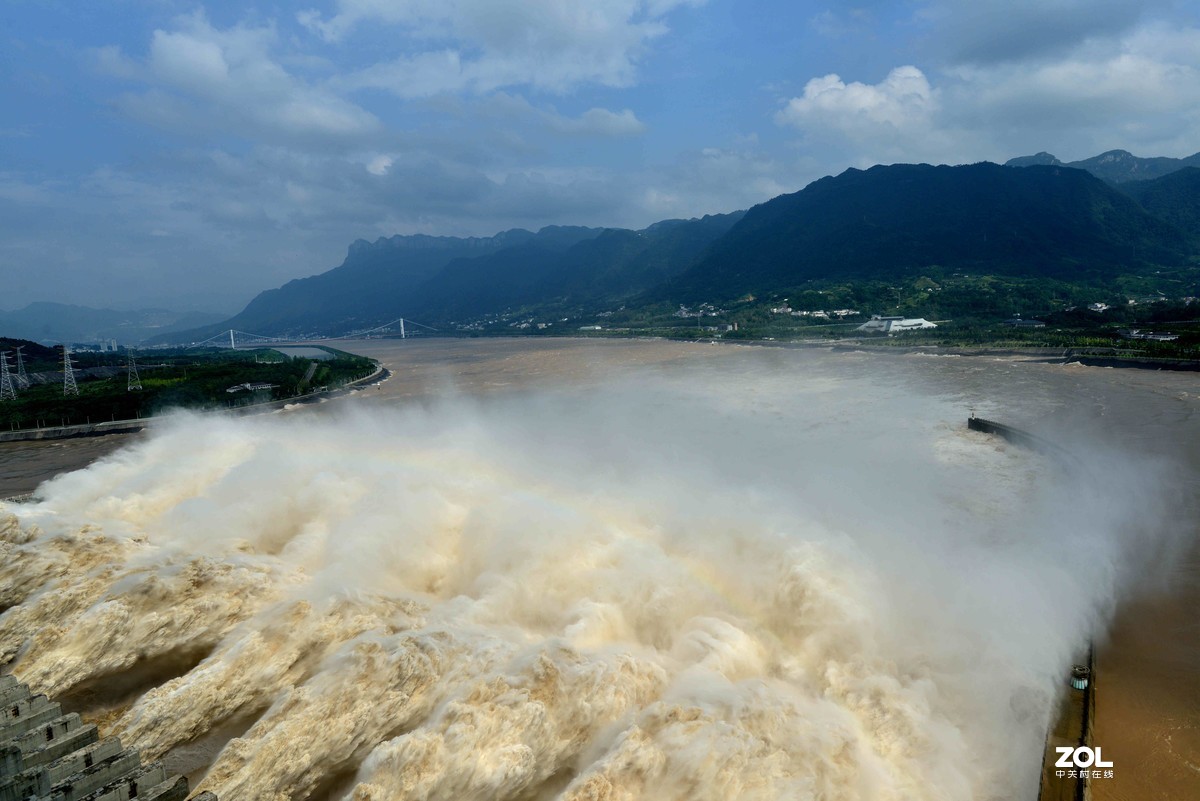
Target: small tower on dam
48, 756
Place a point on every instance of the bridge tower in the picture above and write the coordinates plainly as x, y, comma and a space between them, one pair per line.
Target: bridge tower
69, 387
232, 344
402, 334
7, 392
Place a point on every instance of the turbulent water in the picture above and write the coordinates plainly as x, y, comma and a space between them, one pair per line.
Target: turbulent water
706, 586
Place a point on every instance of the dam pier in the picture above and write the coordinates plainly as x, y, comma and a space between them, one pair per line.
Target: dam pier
50, 756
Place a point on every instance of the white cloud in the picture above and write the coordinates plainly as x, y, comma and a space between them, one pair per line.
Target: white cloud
379, 165
1149, 71
599, 122
1140, 92
203, 77
902, 101
503, 114
895, 119
484, 45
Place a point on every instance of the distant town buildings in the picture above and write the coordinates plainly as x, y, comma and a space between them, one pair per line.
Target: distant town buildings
1017, 322
894, 325
820, 314
1137, 333
703, 310
102, 346
250, 387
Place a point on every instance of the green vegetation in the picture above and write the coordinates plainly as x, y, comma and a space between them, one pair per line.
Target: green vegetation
970, 311
896, 223
193, 379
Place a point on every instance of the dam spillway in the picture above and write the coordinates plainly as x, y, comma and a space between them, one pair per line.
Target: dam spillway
51, 756
1073, 720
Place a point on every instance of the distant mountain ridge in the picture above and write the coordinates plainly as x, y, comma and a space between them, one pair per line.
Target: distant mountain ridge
1114, 166
442, 278
368, 286
1045, 220
615, 265
60, 322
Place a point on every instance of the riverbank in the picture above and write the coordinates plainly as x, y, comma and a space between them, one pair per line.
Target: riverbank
140, 424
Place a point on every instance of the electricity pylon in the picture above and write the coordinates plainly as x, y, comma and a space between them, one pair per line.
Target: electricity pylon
22, 378
69, 387
7, 392
135, 383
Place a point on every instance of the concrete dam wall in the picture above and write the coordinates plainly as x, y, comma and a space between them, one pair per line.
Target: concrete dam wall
1072, 724
48, 756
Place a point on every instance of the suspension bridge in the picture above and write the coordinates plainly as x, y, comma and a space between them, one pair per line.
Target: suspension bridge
235, 339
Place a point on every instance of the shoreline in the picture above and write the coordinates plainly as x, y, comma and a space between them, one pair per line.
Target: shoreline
136, 425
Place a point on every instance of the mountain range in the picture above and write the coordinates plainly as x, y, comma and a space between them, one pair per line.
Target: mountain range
60, 322
439, 279
1034, 217
1114, 166
890, 222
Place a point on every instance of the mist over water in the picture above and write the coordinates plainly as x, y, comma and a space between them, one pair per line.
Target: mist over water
711, 585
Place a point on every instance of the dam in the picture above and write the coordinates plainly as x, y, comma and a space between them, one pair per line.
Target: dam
51, 756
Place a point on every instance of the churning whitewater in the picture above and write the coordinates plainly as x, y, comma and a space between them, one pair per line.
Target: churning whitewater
707, 587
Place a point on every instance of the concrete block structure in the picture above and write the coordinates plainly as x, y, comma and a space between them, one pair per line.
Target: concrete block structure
48, 756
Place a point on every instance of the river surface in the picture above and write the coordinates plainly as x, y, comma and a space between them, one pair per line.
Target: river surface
1148, 655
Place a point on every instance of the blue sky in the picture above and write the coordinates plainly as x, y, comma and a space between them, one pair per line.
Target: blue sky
190, 155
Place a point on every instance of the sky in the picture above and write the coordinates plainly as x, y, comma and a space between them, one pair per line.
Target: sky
188, 156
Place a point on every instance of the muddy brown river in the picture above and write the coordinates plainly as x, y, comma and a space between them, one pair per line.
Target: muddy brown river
1148, 656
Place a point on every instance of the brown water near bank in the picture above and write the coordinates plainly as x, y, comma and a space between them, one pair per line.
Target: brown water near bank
25, 465
1147, 720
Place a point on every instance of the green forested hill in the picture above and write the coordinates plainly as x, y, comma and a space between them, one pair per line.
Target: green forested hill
1174, 198
609, 268
899, 220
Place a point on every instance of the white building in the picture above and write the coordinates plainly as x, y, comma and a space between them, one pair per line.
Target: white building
894, 325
